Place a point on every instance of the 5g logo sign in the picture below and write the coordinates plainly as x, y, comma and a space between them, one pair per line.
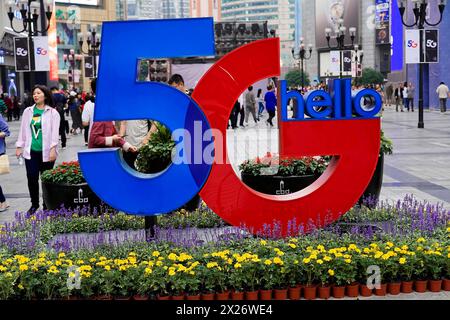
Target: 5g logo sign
353, 143
22, 52
431, 44
412, 44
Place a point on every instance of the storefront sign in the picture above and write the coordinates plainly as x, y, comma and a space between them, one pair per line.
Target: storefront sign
342, 127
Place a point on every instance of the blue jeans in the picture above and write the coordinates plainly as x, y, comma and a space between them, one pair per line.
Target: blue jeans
261, 108
406, 103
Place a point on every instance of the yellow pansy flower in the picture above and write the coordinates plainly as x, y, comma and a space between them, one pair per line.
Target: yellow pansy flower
331, 272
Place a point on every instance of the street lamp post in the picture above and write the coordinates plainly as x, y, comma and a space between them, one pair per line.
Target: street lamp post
420, 16
359, 55
71, 58
340, 40
93, 46
302, 55
30, 16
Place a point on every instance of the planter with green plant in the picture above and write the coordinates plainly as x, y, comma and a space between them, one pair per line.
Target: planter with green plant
156, 156
65, 186
275, 176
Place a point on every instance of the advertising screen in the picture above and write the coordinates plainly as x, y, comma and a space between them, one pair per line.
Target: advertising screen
328, 15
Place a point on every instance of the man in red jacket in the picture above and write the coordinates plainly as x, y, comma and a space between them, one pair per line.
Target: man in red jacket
104, 134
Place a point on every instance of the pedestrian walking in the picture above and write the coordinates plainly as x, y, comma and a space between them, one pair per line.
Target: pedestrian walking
74, 107
389, 94
38, 140
250, 105
271, 102
398, 95
260, 100
4, 132
60, 102
411, 94
443, 93
405, 96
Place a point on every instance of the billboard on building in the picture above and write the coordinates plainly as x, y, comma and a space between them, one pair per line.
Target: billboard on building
382, 21
53, 49
329, 13
396, 38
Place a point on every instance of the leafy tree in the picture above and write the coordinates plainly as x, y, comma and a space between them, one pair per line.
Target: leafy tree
371, 76
294, 78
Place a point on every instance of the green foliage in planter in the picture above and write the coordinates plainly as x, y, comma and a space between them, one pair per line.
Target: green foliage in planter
201, 218
386, 146
156, 155
66, 173
286, 167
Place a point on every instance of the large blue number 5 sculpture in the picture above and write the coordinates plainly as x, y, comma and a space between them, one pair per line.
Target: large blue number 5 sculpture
121, 97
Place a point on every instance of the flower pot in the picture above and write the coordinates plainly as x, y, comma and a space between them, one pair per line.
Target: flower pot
310, 292
365, 291
159, 297
122, 298
420, 286
435, 285
265, 295
407, 286
178, 298
208, 296
236, 296
382, 290
275, 185
352, 290
280, 294
223, 296
251, 295
294, 293
446, 285
338, 292
193, 298
324, 292
394, 288
103, 297
71, 196
138, 297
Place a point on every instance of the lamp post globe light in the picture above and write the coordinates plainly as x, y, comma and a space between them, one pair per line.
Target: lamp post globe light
70, 59
340, 33
420, 20
93, 46
302, 55
30, 11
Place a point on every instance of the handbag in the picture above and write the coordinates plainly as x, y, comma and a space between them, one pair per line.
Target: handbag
4, 164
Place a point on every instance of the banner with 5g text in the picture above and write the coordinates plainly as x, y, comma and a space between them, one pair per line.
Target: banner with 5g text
31, 56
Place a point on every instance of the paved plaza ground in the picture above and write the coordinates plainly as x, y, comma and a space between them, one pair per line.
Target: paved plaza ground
420, 164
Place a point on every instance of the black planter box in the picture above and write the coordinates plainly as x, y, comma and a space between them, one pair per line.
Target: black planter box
373, 190
71, 196
278, 185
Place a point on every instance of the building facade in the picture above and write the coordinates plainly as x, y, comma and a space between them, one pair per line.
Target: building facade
72, 23
280, 15
206, 8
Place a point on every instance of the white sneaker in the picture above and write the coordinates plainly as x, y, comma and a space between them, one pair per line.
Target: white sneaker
4, 206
